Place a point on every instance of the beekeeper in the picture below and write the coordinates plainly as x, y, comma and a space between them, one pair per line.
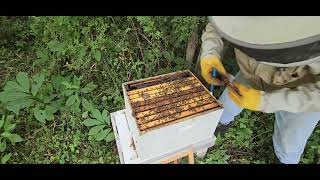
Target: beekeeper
279, 61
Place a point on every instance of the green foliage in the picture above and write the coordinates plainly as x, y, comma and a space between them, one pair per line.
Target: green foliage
248, 140
44, 99
63, 142
7, 136
16, 94
99, 123
73, 90
218, 155
62, 71
242, 136
183, 27
312, 151
149, 27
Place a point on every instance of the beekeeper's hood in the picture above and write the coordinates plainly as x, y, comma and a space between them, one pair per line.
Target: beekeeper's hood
295, 36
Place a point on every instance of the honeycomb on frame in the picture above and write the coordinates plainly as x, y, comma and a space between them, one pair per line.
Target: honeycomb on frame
169, 98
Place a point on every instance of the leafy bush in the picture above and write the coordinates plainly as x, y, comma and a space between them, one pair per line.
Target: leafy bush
24, 93
100, 125
249, 134
6, 136
62, 71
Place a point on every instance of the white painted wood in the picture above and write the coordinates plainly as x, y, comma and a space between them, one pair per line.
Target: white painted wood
194, 133
125, 136
183, 138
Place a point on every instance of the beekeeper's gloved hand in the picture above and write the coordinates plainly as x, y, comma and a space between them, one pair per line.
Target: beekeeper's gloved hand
251, 98
207, 63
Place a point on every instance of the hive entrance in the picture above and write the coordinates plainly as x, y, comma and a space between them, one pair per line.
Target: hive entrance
168, 98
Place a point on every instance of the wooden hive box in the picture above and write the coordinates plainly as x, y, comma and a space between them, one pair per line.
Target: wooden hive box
169, 111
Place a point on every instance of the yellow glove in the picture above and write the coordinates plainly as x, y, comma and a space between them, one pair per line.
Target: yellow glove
250, 99
207, 64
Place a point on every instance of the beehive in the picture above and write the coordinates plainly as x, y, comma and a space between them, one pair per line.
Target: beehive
167, 99
168, 113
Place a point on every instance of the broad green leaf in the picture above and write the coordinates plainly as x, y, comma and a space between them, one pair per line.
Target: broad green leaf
49, 116
7, 96
56, 46
94, 130
14, 138
85, 114
52, 45
62, 160
166, 55
91, 122
76, 81
39, 114
96, 114
104, 98
10, 117
39, 61
6, 134
242, 125
57, 81
86, 104
23, 80
71, 100
6, 158
13, 86
97, 55
108, 120
1, 121
8, 126
18, 104
106, 117
110, 137
48, 94
82, 52
3, 145
53, 108
77, 98
67, 92
37, 82
102, 134
49, 110
42, 56
76, 107
39, 53
58, 103
67, 84
88, 88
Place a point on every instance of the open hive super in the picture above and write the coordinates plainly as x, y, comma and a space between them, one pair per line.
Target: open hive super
167, 99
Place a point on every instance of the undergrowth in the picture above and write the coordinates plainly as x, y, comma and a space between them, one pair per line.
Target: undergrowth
61, 77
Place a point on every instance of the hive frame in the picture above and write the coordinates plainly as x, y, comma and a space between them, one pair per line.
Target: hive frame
129, 106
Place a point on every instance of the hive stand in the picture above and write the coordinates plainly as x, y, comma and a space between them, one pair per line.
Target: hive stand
175, 158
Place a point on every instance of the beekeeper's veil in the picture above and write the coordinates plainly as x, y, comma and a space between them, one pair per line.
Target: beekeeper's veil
273, 39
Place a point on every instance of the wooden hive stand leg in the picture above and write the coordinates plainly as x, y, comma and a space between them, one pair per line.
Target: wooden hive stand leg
190, 157
176, 157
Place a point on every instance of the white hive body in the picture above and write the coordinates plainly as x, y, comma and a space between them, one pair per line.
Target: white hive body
162, 118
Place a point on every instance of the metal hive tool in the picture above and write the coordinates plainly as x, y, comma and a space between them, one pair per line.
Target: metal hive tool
167, 99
